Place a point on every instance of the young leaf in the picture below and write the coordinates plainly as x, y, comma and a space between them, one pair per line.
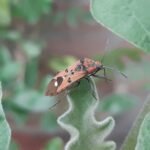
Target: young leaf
79, 120
128, 19
5, 132
144, 135
131, 139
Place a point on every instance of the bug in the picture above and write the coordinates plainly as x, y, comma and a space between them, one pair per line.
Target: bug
80, 69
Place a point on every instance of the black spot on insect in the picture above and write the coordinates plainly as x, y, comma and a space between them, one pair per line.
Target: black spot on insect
66, 70
69, 80
78, 68
59, 80
65, 75
72, 72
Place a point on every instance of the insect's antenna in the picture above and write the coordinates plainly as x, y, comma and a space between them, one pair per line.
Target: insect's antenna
102, 60
113, 69
106, 47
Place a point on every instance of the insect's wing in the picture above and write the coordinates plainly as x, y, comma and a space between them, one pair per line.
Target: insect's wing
51, 89
67, 82
65, 79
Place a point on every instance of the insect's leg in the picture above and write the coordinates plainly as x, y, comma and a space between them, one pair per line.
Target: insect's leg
55, 104
93, 92
101, 77
74, 86
105, 75
92, 89
104, 72
78, 83
87, 79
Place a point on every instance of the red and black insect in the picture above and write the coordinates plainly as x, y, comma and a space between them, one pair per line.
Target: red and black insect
81, 69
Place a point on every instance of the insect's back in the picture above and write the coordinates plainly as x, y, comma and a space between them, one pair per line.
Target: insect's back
65, 78
91, 65
72, 74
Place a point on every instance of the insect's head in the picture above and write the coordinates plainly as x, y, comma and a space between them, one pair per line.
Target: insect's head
99, 65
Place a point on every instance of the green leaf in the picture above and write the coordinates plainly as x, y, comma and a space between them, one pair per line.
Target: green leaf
138, 71
79, 120
31, 49
117, 103
128, 19
31, 73
72, 16
5, 56
58, 17
5, 130
9, 71
131, 140
62, 63
31, 100
14, 146
10, 35
31, 10
144, 134
55, 144
48, 122
5, 17
19, 115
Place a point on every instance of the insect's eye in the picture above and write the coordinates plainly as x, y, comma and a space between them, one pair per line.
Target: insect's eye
100, 67
58, 81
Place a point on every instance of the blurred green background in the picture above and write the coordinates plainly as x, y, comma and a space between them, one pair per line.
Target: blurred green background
39, 38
